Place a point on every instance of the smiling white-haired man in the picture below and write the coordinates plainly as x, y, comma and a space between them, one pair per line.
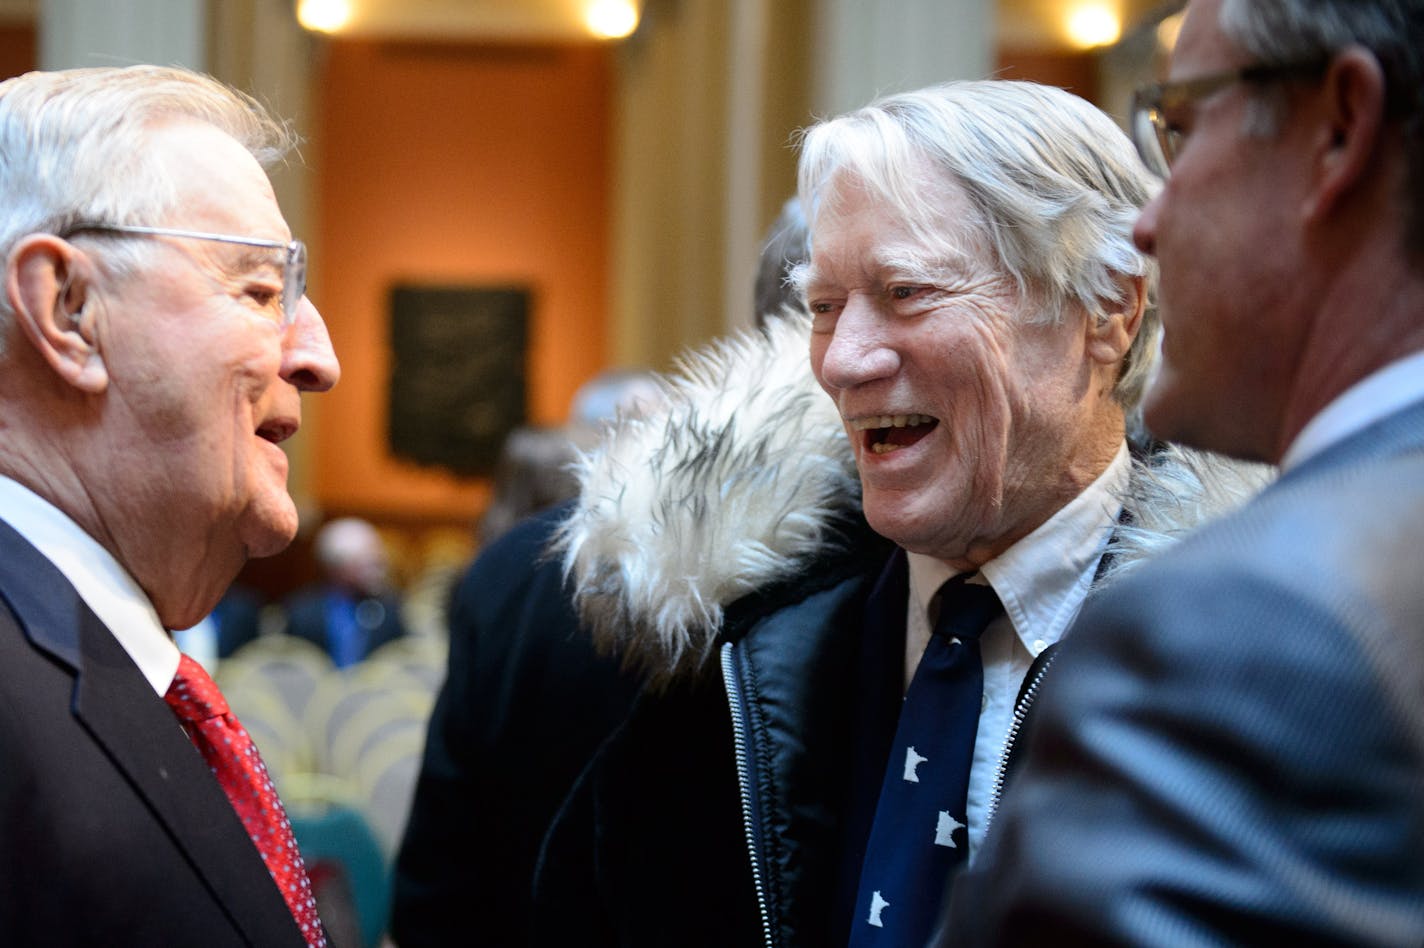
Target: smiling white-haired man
155, 341
980, 321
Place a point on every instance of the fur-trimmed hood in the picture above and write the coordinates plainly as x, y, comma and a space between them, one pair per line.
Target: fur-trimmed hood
746, 475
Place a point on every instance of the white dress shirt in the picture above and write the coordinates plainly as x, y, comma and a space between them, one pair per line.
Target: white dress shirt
1377, 395
102, 583
1042, 581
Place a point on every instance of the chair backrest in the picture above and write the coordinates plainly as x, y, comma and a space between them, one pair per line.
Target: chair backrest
349, 870
421, 657
386, 775
384, 715
279, 736
293, 667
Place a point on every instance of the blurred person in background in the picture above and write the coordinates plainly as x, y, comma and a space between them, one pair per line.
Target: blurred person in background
355, 609
784, 248
608, 396
533, 474
535, 468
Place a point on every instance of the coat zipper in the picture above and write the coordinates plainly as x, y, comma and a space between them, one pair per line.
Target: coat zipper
741, 743
1020, 713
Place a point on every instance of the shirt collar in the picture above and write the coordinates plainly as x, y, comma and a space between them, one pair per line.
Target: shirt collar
1377, 395
103, 584
1043, 579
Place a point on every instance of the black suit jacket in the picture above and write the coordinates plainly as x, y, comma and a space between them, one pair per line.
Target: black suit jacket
112, 829
526, 703
1231, 748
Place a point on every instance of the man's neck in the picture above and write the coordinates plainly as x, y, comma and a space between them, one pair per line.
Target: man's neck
1370, 317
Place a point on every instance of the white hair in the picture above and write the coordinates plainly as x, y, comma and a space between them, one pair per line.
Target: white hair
73, 145
337, 538
1055, 184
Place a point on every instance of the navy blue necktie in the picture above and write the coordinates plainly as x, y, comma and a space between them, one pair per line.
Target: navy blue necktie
920, 834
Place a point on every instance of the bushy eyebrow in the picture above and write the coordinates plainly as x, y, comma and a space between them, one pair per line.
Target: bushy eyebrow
932, 265
800, 277
945, 265
941, 264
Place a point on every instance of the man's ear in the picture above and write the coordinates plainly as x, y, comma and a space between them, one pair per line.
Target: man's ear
1110, 333
1350, 113
50, 285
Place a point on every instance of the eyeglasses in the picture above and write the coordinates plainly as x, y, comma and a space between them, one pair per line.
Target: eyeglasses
294, 264
1158, 140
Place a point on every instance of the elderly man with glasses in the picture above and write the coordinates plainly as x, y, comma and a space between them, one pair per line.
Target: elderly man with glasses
1231, 751
155, 341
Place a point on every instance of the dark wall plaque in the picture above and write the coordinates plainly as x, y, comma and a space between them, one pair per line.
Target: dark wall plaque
458, 373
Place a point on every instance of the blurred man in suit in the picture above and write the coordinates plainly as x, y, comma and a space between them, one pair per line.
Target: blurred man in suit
156, 341
354, 610
1232, 751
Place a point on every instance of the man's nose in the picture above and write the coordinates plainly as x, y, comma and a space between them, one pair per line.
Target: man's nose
308, 361
860, 349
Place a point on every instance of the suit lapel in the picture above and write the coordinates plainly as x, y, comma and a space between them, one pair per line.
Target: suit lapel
139, 733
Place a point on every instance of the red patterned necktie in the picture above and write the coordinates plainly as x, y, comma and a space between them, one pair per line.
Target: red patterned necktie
234, 760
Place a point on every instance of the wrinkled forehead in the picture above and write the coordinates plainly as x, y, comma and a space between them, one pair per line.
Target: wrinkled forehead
920, 211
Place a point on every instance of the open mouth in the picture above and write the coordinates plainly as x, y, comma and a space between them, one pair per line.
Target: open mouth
276, 431
886, 433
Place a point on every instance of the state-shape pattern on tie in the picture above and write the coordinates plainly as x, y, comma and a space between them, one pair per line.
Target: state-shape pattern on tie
233, 758
920, 833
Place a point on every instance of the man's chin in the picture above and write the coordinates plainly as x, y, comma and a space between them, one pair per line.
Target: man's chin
270, 528
893, 515
916, 522
1161, 407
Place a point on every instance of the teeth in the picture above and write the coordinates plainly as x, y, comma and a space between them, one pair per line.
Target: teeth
891, 421
883, 447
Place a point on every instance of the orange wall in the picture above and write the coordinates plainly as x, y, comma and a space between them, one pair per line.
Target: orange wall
456, 164
1076, 72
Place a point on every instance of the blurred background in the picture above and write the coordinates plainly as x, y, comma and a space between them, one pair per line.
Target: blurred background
504, 201
501, 201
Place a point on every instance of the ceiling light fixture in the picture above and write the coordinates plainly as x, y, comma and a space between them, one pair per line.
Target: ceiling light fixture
324, 16
1093, 24
611, 19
